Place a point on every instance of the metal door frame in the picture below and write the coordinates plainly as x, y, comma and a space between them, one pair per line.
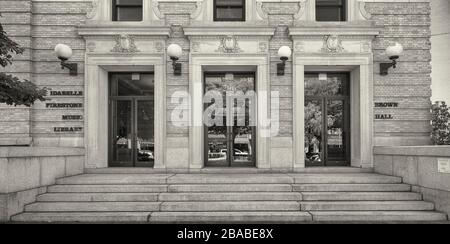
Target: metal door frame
134, 100
229, 133
346, 123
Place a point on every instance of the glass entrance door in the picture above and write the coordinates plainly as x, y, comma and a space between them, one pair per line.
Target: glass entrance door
327, 119
131, 120
229, 130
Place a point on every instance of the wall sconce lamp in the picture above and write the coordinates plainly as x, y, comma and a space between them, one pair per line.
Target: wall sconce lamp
175, 51
393, 53
64, 53
284, 53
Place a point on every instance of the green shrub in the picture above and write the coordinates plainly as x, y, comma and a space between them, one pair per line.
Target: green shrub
441, 124
12, 90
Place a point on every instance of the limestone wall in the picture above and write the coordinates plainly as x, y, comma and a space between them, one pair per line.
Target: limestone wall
26, 171
426, 168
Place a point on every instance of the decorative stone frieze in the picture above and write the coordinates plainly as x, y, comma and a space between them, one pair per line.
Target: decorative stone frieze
334, 38
194, 14
263, 47
296, 8
159, 47
125, 44
124, 38
230, 40
195, 47
332, 44
229, 44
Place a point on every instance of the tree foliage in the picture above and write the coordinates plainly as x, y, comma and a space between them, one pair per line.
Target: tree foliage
441, 124
12, 90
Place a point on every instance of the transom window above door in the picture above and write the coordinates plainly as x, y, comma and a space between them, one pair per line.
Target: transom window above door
229, 10
331, 10
127, 10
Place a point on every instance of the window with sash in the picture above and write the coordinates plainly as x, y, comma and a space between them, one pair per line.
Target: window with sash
127, 10
331, 10
229, 10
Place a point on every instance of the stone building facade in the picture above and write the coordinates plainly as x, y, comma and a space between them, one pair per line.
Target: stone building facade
392, 110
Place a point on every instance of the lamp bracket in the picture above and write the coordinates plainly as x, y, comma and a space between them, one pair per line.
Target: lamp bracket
73, 67
176, 66
281, 66
384, 67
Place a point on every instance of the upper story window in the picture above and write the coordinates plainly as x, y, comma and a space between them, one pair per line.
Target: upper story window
331, 10
127, 10
229, 10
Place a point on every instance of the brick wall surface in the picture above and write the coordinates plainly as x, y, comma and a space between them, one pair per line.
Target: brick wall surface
38, 27
409, 84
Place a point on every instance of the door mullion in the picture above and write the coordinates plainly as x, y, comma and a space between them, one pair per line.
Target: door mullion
134, 126
230, 145
325, 130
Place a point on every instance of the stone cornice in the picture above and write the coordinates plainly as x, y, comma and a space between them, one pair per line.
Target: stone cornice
360, 28
116, 28
229, 30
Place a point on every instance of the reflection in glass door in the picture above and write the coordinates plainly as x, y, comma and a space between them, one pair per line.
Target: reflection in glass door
122, 131
230, 144
131, 120
327, 119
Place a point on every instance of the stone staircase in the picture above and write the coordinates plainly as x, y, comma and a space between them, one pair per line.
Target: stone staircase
229, 198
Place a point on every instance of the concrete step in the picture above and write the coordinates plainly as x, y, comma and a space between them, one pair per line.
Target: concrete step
106, 188
334, 170
169, 197
114, 179
230, 179
98, 197
230, 188
361, 196
82, 217
230, 206
345, 179
230, 217
92, 207
367, 206
351, 187
229, 196
220, 170
384, 216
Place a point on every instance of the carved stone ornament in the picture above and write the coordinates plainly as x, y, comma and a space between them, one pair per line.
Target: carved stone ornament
299, 47
229, 44
366, 47
199, 5
159, 47
92, 11
363, 11
91, 46
332, 44
263, 12
125, 44
260, 10
263, 47
301, 9
195, 47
